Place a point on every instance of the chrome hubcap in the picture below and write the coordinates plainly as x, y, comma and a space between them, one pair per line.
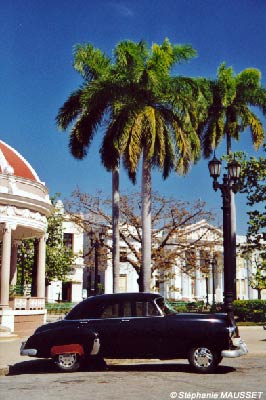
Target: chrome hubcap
67, 360
203, 357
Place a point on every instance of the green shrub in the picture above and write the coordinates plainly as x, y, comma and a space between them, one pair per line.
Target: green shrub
58, 308
244, 310
250, 310
184, 306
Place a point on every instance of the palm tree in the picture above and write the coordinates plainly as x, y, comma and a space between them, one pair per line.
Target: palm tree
147, 113
234, 99
154, 121
231, 108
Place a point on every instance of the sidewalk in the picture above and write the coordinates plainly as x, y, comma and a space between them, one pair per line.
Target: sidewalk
254, 336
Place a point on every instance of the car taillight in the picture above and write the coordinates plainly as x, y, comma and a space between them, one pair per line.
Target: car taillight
232, 331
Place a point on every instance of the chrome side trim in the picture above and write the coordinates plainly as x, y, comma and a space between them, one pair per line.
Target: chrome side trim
95, 347
241, 349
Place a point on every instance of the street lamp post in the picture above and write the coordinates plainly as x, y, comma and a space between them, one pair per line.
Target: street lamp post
213, 263
97, 241
229, 185
207, 288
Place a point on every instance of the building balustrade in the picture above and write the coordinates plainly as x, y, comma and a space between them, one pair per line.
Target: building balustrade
27, 303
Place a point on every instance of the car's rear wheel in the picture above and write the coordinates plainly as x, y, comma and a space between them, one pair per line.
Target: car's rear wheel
203, 359
68, 362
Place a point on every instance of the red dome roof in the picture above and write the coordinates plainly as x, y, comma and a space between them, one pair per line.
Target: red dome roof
12, 163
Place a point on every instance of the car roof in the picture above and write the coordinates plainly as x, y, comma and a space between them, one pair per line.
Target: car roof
138, 296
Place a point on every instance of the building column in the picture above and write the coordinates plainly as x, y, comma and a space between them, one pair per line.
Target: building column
41, 267
108, 280
251, 291
185, 285
13, 266
197, 276
218, 273
5, 266
246, 288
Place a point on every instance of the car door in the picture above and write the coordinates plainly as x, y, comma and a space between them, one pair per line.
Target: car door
107, 325
180, 332
141, 330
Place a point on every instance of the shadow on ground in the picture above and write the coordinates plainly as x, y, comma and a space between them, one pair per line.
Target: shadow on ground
44, 366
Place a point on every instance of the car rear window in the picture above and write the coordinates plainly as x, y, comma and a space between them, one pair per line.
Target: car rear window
83, 310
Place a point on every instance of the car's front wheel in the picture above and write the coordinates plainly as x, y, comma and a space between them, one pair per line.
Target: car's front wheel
68, 362
203, 359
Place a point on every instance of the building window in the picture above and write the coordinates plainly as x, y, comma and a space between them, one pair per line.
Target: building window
123, 254
68, 240
122, 283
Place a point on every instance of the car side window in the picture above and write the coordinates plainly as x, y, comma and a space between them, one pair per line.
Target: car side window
111, 311
127, 310
146, 309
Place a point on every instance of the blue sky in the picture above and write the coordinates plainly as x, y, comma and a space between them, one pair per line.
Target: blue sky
36, 76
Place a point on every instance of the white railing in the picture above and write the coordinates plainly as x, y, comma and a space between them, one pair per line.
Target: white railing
27, 303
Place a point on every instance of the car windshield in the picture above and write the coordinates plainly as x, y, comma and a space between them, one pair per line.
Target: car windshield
165, 306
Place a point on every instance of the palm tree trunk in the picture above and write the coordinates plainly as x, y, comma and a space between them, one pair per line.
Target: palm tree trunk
146, 222
115, 229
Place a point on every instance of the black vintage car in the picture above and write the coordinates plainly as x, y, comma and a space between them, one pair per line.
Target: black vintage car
135, 325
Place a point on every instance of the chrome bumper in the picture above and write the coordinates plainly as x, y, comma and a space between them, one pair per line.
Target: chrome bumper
240, 350
27, 352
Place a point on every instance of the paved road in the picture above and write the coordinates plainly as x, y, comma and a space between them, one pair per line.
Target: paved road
244, 377
148, 381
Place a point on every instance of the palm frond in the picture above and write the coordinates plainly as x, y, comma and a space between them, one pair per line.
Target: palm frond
115, 138
159, 152
70, 110
248, 80
258, 99
81, 136
130, 59
91, 62
195, 146
183, 150
133, 149
148, 130
77, 148
256, 127
169, 154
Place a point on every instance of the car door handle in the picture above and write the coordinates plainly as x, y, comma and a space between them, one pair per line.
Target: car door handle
125, 320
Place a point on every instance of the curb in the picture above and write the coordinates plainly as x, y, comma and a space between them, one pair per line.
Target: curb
8, 338
4, 370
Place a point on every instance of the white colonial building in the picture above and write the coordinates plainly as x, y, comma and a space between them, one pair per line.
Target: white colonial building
202, 282
24, 208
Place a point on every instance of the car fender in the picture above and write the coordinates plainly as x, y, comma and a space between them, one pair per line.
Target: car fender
79, 340
61, 339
